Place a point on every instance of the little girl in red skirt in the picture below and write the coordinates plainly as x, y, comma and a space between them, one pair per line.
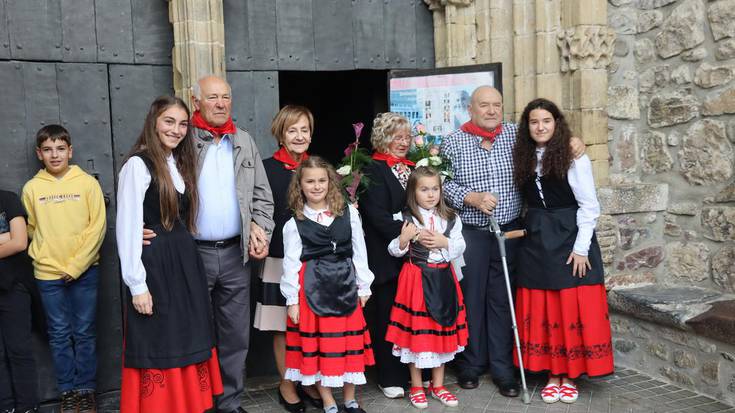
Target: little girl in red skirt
326, 282
428, 323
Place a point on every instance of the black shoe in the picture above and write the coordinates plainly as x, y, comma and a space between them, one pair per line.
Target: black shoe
303, 395
468, 382
508, 388
69, 402
297, 407
239, 410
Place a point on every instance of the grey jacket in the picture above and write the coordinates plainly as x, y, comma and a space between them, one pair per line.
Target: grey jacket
253, 191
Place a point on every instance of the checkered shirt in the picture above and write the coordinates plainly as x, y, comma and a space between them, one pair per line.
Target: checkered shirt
478, 170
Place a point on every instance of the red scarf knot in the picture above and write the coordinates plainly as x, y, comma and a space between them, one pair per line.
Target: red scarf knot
282, 156
473, 129
392, 160
198, 121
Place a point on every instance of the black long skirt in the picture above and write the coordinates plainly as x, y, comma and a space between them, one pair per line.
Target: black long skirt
180, 331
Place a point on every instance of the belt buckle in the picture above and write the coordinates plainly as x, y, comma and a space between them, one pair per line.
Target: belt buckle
219, 244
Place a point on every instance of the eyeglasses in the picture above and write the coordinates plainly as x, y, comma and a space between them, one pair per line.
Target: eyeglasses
404, 139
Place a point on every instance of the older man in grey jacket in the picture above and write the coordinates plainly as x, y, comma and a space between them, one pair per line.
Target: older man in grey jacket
235, 215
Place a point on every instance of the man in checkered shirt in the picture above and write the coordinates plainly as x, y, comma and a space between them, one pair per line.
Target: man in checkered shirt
481, 152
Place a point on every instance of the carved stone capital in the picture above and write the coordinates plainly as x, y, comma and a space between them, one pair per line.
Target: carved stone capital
440, 4
586, 47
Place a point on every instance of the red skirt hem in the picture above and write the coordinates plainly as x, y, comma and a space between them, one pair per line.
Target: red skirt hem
182, 389
565, 332
411, 326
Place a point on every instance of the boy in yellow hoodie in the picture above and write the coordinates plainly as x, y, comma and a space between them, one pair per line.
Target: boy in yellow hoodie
66, 223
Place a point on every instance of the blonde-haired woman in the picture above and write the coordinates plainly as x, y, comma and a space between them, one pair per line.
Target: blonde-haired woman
386, 195
292, 127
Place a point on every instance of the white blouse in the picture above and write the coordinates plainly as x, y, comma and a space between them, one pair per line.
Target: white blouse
582, 183
133, 182
292, 248
456, 244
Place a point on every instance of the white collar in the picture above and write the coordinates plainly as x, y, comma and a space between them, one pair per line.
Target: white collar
311, 211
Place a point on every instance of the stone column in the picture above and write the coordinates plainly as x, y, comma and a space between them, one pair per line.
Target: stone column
586, 46
455, 32
199, 42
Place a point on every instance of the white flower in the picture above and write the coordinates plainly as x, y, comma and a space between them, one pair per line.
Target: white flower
345, 170
435, 160
423, 162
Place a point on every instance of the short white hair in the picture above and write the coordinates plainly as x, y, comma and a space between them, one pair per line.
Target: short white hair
196, 88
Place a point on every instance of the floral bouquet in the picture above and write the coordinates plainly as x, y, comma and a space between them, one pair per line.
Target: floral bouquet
353, 180
425, 152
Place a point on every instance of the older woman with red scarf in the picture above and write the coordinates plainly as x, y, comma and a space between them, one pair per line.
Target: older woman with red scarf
292, 127
386, 195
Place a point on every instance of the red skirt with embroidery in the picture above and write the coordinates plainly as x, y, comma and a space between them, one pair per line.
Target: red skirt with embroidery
565, 332
181, 389
332, 350
411, 327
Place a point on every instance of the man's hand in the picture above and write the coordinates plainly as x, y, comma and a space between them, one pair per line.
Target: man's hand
258, 243
293, 313
484, 201
143, 303
433, 240
577, 146
148, 235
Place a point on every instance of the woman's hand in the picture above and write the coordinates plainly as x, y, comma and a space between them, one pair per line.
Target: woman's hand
364, 300
580, 264
293, 313
143, 303
409, 231
434, 240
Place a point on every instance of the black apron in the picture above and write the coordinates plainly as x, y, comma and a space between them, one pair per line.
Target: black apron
440, 290
330, 283
551, 224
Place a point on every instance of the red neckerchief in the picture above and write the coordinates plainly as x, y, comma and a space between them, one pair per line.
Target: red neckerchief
473, 129
391, 160
282, 156
198, 121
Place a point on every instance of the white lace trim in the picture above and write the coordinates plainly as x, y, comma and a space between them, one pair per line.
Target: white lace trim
426, 359
326, 381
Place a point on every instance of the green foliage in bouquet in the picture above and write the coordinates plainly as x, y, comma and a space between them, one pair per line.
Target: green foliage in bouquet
353, 180
425, 151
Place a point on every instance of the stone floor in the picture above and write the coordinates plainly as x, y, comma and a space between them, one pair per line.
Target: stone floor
627, 391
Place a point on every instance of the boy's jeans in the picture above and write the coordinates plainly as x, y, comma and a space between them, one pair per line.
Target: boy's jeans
71, 310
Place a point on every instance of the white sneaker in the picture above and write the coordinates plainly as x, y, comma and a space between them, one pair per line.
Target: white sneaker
393, 392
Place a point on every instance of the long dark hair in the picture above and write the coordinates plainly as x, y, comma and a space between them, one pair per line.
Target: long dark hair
558, 155
297, 200
442, 209
150, 146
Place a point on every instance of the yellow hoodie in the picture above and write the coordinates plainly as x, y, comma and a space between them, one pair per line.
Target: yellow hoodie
66, 221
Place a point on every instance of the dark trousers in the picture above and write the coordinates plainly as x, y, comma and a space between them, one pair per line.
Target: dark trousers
391, 372
488, 311
18, 378
229, 287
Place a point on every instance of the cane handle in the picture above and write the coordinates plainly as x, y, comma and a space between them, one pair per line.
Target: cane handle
517, 233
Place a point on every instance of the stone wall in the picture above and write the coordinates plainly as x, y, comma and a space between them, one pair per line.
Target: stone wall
670, 217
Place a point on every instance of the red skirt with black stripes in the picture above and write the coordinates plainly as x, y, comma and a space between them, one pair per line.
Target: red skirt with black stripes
329, 350
412, 328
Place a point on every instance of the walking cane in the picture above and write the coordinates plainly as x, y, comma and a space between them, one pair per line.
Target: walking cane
502, 236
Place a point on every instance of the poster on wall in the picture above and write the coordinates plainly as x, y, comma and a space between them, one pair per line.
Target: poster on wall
435, 100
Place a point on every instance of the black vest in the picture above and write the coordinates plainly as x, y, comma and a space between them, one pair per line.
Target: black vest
330, 284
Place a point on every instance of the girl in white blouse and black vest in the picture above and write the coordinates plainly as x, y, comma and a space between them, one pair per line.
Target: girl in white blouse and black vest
561, 302
326, 282
428, 323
